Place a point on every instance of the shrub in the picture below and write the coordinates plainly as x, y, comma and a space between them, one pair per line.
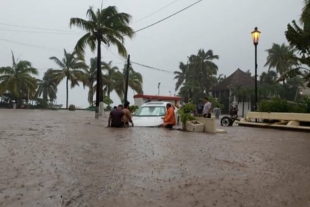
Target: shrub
280, 105
108, 108
133, 108
72, 107
185, 113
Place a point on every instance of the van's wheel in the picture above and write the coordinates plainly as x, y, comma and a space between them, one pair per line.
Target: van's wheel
226, 121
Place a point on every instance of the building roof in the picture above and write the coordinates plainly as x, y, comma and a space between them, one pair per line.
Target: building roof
154, 97
238, 78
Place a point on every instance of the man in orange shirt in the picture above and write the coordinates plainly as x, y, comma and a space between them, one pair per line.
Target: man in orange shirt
169, 119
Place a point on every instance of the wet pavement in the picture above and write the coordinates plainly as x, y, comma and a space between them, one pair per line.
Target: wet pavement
62, 158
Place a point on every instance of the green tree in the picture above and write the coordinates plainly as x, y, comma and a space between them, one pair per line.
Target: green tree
299, 38
110, 74
202, 68
47, 87
281, 58
71, 70
135, 82
268, 78
106, 26
181, 76
90, 80
18, 79
220, 78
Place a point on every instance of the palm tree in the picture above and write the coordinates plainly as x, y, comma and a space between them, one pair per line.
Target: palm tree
109, 77
268, 78
18, 79
106, 26
90, 79
181, 76
204, 68
305, 15
47, 86
71, 67
135, 82
220, 78
280, 57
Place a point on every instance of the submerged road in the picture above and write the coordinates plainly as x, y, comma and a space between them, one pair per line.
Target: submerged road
62, 158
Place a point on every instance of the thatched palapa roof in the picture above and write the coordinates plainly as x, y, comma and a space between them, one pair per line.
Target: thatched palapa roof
238, 78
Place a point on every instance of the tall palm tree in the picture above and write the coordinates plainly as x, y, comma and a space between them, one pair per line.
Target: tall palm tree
106, 26
220, 78
305, 15
71, 70
281, 58
90, 79
204, 68
181, 76
18, 79
47, 87
109, 77
135, 82
268, 78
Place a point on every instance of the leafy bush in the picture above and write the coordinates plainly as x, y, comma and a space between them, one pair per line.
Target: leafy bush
280, 105
133, 108
42, 104
185, 113
72, 107
108, 108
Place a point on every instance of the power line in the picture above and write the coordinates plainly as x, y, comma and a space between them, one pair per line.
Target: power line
54, 49
156, 11
150, 67
167, 17
12, 30
39, 28
140, 64
30, 45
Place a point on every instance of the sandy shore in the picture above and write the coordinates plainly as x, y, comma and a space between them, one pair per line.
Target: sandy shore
62, 158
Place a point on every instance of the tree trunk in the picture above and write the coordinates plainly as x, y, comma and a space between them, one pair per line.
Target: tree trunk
67, 92
108, 93
99, 78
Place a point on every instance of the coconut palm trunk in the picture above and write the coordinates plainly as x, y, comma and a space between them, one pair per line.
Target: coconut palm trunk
67, 92
99, 77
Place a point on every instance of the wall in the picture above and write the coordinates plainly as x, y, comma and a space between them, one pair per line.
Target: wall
247, 108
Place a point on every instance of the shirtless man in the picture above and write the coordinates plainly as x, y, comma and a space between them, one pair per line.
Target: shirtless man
127, 115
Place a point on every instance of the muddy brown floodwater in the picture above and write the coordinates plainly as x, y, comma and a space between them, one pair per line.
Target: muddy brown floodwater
62, 158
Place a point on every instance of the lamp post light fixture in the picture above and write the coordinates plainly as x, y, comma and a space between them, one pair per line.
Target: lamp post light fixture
170, 93
158, 88
255, 37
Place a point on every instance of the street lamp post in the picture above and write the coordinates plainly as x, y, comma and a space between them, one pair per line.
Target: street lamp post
158, 88
255, 37
170, 93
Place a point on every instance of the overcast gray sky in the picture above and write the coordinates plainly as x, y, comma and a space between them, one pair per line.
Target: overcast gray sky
223, 26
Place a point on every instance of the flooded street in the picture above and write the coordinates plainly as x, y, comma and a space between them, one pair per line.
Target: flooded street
62, 158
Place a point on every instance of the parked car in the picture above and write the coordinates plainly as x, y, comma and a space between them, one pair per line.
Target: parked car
150, 114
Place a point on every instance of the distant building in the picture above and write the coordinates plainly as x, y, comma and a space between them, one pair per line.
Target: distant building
224, 91
140, 99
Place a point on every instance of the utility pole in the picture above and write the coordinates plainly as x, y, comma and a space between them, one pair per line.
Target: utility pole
99, 97
127, 77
